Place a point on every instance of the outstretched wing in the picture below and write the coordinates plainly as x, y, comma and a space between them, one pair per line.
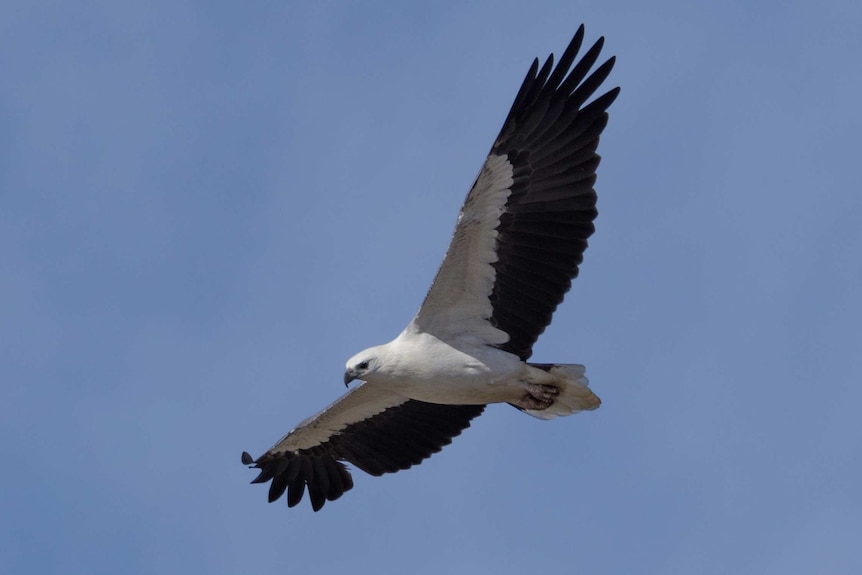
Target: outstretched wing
523, 229
376, 430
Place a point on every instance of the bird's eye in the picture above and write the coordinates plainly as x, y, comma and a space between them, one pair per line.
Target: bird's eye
363, 365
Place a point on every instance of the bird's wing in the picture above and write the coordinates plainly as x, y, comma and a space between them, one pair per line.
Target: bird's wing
523, 229
376, 430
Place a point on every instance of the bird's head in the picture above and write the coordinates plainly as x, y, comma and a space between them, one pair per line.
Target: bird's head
361, 365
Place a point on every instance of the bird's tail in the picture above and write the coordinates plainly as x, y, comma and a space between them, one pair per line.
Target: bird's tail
573, 392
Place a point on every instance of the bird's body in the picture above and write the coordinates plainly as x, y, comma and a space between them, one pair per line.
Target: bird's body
420, 366
517, 245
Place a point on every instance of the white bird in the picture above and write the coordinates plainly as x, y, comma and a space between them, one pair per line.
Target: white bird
519, 239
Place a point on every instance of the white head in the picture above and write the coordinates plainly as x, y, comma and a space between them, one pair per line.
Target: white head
363, 364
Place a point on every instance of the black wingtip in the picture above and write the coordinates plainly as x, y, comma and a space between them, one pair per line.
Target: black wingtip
247, 459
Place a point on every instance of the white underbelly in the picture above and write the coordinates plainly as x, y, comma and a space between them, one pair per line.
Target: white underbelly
438, 373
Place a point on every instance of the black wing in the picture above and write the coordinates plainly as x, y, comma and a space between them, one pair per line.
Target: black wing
390, 440
523, 228
550, 139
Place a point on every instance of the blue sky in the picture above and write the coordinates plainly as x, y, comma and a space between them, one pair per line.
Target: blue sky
206, 208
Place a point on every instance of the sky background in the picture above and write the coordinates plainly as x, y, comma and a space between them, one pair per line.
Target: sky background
207, 207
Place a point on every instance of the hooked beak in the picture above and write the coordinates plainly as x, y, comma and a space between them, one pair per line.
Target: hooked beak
348, 377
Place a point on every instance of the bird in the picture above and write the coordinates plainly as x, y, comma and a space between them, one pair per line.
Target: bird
518, 242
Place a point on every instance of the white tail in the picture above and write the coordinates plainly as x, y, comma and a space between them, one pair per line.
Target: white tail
575, 394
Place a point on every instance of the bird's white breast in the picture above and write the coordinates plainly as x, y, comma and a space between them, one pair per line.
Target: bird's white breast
421, 366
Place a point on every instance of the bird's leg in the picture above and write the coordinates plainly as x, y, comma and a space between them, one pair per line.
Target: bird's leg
539, 396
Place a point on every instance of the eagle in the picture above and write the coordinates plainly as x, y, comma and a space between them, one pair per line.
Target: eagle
519, 239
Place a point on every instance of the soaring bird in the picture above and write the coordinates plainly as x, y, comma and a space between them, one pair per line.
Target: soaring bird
517, 245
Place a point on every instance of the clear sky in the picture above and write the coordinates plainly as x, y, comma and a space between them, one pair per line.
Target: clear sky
207, 207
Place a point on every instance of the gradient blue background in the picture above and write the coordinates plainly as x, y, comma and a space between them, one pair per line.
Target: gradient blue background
207, 207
